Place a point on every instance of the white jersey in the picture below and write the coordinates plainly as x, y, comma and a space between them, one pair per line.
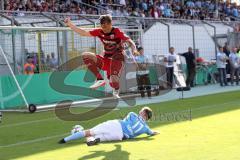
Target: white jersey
221, 60
234, 60
178, 73
171, 58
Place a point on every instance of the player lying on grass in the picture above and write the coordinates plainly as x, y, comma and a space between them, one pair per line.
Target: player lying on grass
112, 59
114, 130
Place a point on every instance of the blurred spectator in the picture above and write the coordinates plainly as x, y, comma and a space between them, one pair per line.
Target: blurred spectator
235, 12
48, 59
124, 12
42, 57
144, 5
53, 62
122, 2
198, 4
191, 66
226, 50
155, 12
168, 13
29, 66
170, 59
194, 9
221, 65
238, 52
35, 58
190, 4
234, 66
143, 80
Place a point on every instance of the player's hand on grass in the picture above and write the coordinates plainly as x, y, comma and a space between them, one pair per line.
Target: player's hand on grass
155, 133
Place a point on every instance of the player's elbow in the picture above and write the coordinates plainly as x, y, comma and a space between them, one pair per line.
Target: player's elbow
130, 42
85, 34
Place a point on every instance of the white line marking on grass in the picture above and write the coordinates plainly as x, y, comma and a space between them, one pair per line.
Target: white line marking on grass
237, 102
33, 141
61, 135
28, 122
35, 121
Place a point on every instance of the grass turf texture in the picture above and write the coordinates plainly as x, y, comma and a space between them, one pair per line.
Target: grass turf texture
213, 133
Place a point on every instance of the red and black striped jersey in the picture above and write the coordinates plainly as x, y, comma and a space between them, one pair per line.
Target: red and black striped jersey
112, 42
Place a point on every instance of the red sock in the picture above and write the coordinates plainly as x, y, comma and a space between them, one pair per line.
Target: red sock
92, 66
114, 85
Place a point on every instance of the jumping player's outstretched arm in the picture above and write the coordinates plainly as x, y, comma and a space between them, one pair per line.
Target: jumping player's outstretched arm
80, 31
134, 50
133, 47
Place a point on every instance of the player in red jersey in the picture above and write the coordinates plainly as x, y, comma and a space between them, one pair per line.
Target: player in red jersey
112, 60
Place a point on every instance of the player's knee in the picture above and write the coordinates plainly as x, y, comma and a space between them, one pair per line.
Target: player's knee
88, 133
88, 54
114, 78
114, 81
89, 57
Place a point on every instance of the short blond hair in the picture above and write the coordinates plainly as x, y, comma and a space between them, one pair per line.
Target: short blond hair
105, 19
148, 111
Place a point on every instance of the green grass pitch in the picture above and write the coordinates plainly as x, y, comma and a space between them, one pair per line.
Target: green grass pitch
213, 133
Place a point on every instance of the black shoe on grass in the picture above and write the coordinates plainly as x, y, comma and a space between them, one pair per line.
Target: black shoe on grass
94, 142
62, 141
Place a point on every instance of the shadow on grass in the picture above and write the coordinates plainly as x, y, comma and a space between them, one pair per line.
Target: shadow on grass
147, 138
201, 107
118, 153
